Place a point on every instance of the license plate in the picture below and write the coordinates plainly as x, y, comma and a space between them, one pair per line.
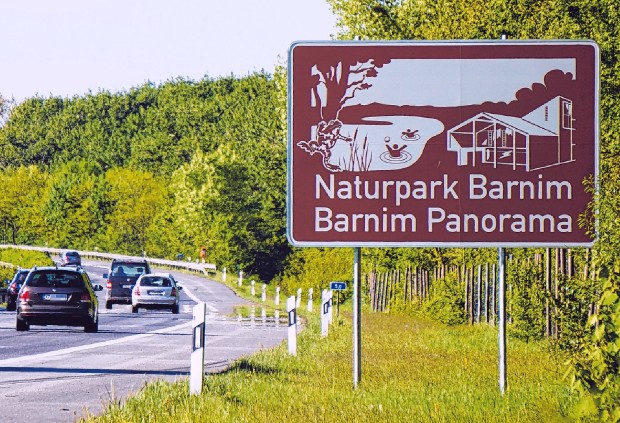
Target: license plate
128, 286
155, 292
55, 297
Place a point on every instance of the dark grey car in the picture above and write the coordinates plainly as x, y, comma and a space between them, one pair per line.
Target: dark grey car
121, 279
58, 296
70, 258
14, 287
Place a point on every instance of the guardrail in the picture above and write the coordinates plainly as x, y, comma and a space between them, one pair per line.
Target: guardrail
175, 264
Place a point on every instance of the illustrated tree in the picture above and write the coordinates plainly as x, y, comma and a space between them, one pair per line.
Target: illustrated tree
336, 83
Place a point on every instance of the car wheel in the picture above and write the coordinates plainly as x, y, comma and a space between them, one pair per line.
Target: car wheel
175, 309
92, 327
21, 325
134, 309
108, 305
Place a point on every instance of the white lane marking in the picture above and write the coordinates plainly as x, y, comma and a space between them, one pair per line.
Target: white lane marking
50, 354
197, 300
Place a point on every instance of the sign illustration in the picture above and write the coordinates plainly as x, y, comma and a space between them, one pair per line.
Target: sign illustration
441, 143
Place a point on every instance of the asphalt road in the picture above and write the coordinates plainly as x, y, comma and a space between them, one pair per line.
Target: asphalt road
60, 374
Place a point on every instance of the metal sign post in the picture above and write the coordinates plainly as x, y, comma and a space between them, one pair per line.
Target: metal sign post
357, 318
197, 363
501, 299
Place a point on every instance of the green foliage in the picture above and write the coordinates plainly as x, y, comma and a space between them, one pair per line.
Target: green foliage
20, 217
527, 299
446, 302
75, 206
315, 268
135, 198
25, 258
595, 368
6, 274
575, 299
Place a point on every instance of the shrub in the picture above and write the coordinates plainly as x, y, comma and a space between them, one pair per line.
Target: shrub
446, 302
25, 258
594, 368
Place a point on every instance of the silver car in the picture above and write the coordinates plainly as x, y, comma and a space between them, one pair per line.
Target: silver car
155, 291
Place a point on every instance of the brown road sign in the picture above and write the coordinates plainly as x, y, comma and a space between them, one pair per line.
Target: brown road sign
441, 143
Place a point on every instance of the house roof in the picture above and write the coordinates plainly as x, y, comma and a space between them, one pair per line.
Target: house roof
514, 122
519, 124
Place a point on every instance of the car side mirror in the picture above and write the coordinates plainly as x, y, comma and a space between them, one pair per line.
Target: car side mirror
97, 287
179, 287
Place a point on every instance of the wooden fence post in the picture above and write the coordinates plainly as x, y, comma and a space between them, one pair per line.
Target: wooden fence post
470, 278
478, 293
466, 281
494, 296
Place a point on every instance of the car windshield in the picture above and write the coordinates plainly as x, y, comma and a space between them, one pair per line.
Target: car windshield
156, 281
21, 277
55, 279
73, 254
127, 269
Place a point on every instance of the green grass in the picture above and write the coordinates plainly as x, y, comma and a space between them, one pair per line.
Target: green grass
413, 370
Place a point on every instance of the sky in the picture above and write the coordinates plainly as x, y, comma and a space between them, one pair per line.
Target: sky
70, 47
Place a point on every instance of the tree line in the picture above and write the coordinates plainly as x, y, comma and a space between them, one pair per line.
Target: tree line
159, 169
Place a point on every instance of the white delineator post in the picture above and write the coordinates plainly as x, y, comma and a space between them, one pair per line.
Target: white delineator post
310, 299
330, 315
263, 295
224, 274
324, 312
277, 299
240, 277
292, 325
197, 360
252, 290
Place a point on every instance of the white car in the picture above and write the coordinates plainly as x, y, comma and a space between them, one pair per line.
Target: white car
155, 291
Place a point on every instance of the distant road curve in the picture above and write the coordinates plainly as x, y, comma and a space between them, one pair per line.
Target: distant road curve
96, 255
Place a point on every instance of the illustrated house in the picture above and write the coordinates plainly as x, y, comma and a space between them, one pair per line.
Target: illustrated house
541, 138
